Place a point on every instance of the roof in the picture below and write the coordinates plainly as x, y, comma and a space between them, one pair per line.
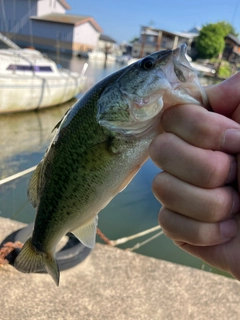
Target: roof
233, 38
75, 20
194, 30
152, 31
103, 37
65, 4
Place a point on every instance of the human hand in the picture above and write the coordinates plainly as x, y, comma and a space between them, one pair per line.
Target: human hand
201, 205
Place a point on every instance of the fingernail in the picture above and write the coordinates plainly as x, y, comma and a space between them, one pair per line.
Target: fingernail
231, 141
235, 203
232, 172
228, 229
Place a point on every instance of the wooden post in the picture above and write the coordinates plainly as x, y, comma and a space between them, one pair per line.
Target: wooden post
143, 45
175, 43
159, 40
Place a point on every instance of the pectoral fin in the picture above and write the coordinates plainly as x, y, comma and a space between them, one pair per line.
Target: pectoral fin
128, 179
87, 233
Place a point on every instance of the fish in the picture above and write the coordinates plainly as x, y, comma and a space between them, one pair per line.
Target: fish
99, 146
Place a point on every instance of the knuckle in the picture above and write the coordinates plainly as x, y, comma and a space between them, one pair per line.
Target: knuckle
208, 234
217, 169
163, 219
158, 149
203, 234
161, 187
171, 224
168, 117
221, 205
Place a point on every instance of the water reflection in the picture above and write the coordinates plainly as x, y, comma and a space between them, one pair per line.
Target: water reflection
26, 134
96, 71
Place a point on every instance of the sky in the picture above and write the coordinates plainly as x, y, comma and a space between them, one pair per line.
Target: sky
121, 20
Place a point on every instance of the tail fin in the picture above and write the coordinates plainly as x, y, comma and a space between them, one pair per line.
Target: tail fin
30, 260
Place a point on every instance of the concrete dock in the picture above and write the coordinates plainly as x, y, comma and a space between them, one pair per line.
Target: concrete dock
115, 284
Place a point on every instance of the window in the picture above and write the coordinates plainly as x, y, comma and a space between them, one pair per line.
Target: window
164, 43
150, 38
16, 67
58, 35
43, 68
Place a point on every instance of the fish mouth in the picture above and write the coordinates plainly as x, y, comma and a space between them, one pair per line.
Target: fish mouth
145, 108
172, 83
180, 52
180, 61
182, 49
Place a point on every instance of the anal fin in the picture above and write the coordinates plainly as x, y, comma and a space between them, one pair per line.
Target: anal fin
87, 233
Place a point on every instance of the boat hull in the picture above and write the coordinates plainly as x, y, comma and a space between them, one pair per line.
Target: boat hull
25, 93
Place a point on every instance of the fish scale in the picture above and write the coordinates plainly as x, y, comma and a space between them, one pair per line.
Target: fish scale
99, 146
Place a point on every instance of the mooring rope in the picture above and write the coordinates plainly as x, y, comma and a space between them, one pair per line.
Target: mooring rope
17, 175
112, 243
137, 235
139, 245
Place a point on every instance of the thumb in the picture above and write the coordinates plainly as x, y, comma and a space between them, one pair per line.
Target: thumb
224, 98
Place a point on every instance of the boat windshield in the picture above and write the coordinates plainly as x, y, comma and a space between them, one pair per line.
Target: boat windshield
18, 67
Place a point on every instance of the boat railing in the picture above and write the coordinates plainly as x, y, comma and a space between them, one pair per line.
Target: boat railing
69, 72
8, 42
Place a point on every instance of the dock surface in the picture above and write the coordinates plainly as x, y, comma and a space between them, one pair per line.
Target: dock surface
112, 284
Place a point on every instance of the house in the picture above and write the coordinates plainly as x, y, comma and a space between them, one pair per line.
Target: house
107, 44
231, 51
152, 40
44, 24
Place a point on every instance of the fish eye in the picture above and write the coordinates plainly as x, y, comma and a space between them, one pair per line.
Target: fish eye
147, 63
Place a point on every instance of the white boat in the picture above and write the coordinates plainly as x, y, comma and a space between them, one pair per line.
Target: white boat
123, 59
29, 81
101, 56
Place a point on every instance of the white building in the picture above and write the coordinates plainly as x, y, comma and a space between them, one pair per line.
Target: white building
152, 40
44, 24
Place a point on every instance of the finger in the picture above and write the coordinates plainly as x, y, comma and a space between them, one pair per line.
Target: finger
203, 168
223, 256
186, 230
209, 205
214, 255
238, 171
224, 98
202, 128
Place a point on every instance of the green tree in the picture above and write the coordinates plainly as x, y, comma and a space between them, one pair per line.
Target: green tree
210, 42
134, 39
226, 28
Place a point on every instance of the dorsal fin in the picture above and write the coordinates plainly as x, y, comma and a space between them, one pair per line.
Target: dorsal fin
33, 186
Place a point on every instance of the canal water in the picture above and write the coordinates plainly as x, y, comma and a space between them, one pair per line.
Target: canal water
24, 139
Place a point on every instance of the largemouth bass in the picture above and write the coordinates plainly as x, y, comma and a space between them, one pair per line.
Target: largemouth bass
99, 146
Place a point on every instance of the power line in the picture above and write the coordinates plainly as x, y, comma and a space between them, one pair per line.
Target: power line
235, 11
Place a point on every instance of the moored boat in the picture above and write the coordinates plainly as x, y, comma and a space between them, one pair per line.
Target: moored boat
30, 80
101, 56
